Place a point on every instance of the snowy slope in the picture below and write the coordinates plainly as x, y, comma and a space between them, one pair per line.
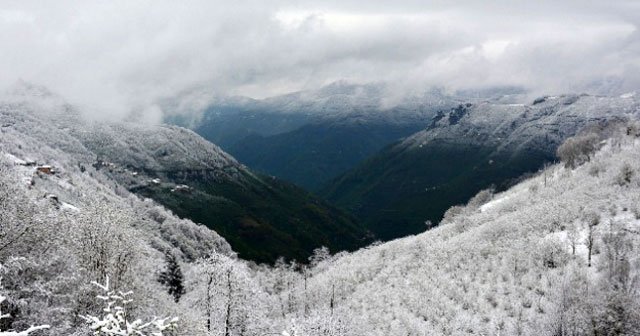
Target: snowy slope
541, 125
261, 217
41, 134
515, 265
462, 151
506, 267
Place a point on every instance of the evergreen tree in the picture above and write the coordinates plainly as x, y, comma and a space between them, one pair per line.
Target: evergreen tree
172, 277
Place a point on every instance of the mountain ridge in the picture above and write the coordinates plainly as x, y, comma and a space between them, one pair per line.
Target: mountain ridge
293, 136
469, 148
554, 254
196, 180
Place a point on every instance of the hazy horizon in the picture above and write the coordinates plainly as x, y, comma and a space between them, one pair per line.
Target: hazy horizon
120, 57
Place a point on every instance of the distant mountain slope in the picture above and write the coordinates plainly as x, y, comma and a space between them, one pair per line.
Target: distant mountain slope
314, 154
461, 152
228, 125
261, 217
310, 137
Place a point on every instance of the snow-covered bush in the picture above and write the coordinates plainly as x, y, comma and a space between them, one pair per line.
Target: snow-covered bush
452, 213
3, 315
115, 321
625, 175
552, 254
578, 149
481, 198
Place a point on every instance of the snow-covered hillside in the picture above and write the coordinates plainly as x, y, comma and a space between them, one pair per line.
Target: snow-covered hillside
340, 100
464, 150
346, 102
181, 170
516, 265
542, 125
65, 224
557, 254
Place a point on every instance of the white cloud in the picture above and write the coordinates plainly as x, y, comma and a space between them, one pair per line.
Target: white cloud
123, 56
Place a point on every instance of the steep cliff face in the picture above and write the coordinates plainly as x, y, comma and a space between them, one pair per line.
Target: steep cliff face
470, 147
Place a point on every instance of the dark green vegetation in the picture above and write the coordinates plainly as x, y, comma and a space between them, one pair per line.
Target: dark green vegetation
311, 137
227, 126
261, 217
462, 151
313, 154
408, 186
396, 192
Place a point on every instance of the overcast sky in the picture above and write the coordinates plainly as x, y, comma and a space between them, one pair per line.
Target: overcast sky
116, 56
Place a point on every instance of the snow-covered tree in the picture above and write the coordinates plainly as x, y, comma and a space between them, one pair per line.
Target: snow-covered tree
578, 149
116, 322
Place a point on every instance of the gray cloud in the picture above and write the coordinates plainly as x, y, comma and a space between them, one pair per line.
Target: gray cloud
119, 56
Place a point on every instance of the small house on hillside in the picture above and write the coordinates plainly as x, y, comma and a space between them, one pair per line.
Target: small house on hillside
181, 188
45, 169
29, 162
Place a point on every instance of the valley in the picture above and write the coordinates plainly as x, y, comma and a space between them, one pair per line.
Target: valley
553, 251
397, 172
320, 168
310, 137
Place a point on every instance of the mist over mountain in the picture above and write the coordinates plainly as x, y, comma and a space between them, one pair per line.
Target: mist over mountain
518, 261
120, 57
320, 168
311, 137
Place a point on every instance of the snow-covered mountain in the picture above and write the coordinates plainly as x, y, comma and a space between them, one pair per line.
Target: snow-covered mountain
359, 103
189, 175
464, 150
542, 125
310, 137
556, 254
65, 224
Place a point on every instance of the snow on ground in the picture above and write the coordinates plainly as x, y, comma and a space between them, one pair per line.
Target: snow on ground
69, 207
16, 160
493, 203
505, 196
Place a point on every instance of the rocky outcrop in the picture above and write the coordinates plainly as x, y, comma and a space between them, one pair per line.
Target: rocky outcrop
542, 125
